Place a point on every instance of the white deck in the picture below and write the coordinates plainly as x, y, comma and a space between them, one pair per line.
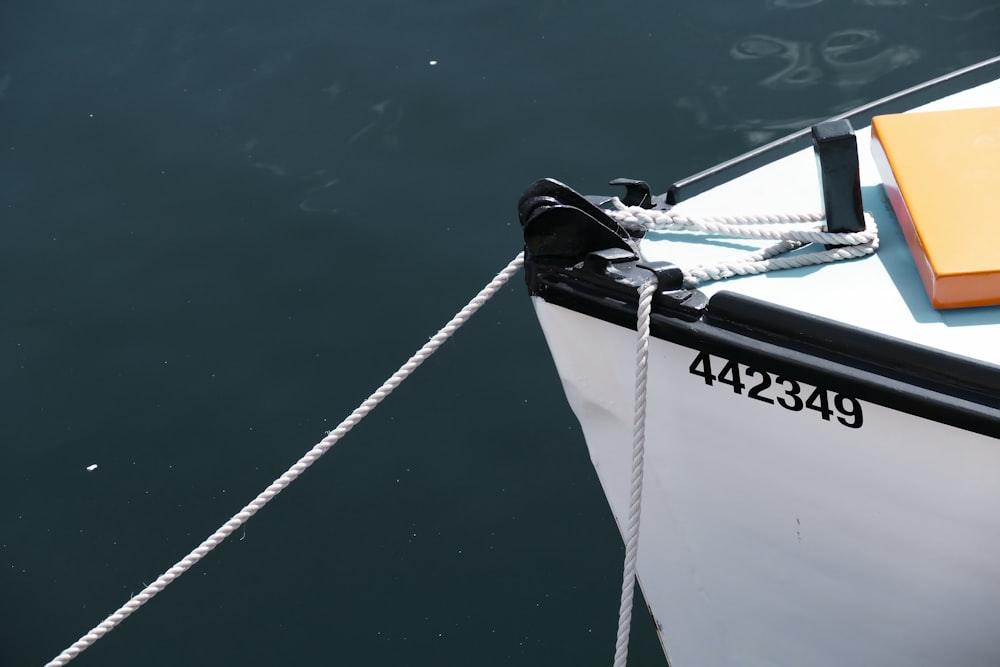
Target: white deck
881, 293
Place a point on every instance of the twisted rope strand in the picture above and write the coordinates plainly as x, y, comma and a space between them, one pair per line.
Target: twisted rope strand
635, 490
747, 266
845, 245
292, 473
655, 219
750, 227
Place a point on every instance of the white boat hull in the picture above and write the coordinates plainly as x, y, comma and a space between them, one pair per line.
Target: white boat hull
777, 536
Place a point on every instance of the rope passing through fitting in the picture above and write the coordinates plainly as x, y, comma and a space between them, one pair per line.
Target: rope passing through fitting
776, 227
631, 535
290, 475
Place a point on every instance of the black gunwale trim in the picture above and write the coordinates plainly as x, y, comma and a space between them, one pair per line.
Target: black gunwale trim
886, 371
953, 82
863, 349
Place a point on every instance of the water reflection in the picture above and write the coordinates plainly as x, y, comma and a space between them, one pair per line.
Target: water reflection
758, 130
974, 14
846, 54
321, 198
385, 124
798, 69
791, 4
311, 165
840, 50
799, 4
835, 64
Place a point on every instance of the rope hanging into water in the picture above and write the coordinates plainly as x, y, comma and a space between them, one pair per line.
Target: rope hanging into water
635, 488
292, 473
840, 246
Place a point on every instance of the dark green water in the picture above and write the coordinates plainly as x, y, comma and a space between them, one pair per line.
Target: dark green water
224, 223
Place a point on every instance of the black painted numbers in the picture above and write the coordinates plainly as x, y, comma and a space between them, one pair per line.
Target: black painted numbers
760, 385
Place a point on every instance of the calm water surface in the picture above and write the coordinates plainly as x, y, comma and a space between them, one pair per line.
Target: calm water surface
224, 223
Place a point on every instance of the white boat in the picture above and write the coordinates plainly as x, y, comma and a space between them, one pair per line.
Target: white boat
822, 465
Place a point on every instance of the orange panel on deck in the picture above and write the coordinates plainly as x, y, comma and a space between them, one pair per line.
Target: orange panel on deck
941, 171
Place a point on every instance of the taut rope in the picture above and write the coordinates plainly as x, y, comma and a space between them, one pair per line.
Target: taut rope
292, 473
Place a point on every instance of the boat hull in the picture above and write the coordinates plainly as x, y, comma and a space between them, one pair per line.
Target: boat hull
787, 519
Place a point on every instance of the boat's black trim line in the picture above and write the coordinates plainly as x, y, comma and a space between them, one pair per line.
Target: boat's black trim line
578, 257
952, 82
876, 368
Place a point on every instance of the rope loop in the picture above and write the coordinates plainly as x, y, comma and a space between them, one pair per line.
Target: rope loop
777, 227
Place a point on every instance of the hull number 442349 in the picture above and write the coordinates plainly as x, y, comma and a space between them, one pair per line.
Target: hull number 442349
778, 390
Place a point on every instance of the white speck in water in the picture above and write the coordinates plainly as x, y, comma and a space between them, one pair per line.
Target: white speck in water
432, 63
92, 467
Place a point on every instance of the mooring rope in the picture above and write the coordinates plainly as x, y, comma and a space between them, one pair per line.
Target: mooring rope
292, 473
777, 227
635, 488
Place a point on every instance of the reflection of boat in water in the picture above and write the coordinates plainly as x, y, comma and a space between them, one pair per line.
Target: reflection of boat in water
822, 467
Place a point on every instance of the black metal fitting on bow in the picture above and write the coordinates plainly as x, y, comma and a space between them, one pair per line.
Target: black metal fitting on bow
561, 225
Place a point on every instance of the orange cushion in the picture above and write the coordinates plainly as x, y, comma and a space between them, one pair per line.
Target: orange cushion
941, 171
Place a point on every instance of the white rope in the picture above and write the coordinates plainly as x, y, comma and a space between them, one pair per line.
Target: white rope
292, 473
849, 245
635, 490
750, 265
